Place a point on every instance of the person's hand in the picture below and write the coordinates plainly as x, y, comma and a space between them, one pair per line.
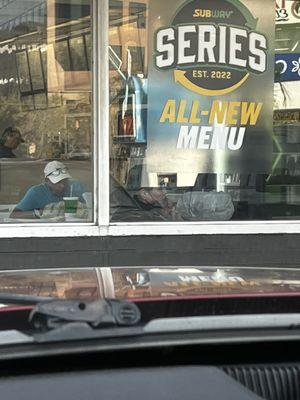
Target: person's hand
53, 210
158, 195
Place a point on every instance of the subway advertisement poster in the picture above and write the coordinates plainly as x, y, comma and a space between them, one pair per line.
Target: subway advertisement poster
210, 87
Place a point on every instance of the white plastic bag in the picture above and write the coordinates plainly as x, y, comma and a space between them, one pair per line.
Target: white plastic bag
204, 206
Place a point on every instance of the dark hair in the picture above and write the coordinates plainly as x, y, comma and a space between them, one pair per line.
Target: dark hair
8, 132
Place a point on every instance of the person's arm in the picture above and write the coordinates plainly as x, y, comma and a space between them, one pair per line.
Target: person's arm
17, 213
25, 208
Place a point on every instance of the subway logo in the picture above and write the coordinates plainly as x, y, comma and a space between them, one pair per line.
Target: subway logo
208, 54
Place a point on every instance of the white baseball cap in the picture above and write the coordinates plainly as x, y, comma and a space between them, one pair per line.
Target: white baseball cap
56, 171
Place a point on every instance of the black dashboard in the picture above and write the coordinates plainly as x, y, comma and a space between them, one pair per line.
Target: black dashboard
228, 365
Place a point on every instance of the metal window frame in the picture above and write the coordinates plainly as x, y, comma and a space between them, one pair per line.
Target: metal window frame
101, 225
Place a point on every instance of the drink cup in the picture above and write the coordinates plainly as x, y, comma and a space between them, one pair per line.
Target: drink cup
70, 207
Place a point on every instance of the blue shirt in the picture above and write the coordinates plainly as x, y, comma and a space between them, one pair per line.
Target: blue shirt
37, 197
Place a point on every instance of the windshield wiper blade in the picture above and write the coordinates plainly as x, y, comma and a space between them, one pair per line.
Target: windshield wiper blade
13, 298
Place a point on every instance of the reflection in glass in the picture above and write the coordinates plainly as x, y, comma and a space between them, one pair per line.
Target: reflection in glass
28, 103
170, 282
115, 57
43, 54
64, 284
36, 71
151, 180
115, 12
138, 11
62, 55
23, 71
77, 52
89, 49
40, 101
45, 82
137, 59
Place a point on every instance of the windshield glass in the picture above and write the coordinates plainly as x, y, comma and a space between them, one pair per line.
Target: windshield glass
48, 300
56, 283
191, 124
151, 282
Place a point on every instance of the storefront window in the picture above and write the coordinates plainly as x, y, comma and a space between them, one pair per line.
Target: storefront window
45, 111
201, 128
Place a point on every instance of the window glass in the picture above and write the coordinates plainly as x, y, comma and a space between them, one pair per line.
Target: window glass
116, 12
200, 130
88, 47
36, 70
137, 54
62, 55
45, 111
61, 283
115, 57
138, 10
176, 282
77, 52
23, 71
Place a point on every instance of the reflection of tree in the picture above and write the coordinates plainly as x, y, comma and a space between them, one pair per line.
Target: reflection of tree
40, 126
11, 113
44, 126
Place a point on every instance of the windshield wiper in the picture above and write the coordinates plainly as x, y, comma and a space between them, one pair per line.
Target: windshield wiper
54, 320
101, 313
67, 319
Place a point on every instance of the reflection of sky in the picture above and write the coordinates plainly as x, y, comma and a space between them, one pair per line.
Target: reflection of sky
16, 12
162, 154
16, 8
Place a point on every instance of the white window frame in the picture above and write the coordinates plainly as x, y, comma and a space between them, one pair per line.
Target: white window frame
101, 225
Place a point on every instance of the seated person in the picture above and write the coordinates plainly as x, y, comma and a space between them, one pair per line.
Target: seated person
150, 198
191, 206
9, 141
58, 184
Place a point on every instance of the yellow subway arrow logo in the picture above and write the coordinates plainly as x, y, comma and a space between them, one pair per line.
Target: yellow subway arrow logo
179, 76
